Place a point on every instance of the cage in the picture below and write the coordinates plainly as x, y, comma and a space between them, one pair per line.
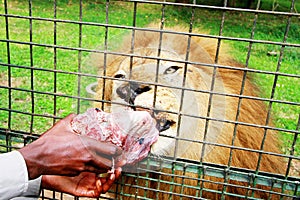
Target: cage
224, 75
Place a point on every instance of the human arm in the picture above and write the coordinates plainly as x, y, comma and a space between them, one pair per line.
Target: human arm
59, 151
14, 177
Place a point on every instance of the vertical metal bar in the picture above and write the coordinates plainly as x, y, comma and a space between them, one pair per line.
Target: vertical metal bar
223, 195
212, 85
182, 180
202, 183
292, 151
172, 179
272, 186
183, 85
250, 184
158, 180
54, 61
243, 85
273, 91
122, 187
297, 183
135, 4
162, 23
274, 86
9, 77
157, 71
31, 65
105, 50
42, 195
184, 77
132, 39
79, 58
136, 181
199, 182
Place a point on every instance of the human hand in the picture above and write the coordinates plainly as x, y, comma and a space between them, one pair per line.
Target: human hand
86, 184
60, 151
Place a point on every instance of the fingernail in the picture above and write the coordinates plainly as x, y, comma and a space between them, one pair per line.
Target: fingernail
99, 185
112, 177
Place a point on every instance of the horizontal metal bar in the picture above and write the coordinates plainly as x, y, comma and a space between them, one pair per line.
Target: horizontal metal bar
148, 57
220, 171
218, 8
171, 112
161, 134
151, 30
176, 87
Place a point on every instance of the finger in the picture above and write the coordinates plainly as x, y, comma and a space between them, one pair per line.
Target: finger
69, 118
101, 148
96, 169
67, 121
110, 181
99, 186
118, 172
103, 180
101, 153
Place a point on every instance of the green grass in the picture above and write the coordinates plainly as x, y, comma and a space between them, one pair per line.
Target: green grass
236, 24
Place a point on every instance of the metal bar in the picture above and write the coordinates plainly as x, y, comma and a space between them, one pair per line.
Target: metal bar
242, 91
200, 117
32, 69
215, 71
148, 57
130, 75
182, 93
79, 57
54, 60
158, 53
217, 7
8, 62
185, 69
268, 119
151, 29
105, 55
162, 85
238, 174
132, 39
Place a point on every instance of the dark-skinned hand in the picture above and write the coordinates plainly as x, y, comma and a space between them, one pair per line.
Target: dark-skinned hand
60, 151
86, 184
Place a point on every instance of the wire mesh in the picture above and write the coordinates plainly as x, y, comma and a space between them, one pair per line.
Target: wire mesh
44, 75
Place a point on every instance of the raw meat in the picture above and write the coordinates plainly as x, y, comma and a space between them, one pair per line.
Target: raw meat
134, 131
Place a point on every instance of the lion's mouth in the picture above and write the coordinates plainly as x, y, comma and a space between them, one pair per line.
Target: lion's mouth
129, 91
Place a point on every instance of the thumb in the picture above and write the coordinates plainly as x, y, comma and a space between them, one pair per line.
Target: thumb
66, 122
69, 118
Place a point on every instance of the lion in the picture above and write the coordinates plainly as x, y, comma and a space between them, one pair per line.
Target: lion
204, 112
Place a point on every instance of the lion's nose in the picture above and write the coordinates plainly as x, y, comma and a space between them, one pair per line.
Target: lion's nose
129, 91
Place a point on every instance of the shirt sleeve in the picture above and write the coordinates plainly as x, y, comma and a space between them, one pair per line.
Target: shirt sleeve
14, 177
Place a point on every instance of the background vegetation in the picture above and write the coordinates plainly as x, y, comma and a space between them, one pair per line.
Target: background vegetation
269, 27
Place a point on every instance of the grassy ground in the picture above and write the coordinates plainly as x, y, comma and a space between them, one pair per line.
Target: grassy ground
236, 24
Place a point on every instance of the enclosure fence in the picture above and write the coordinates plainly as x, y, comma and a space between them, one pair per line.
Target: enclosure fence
47, 71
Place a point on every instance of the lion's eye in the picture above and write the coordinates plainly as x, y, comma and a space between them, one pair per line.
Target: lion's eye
171, 69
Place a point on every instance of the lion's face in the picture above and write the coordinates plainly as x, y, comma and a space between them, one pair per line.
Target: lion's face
157, 87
